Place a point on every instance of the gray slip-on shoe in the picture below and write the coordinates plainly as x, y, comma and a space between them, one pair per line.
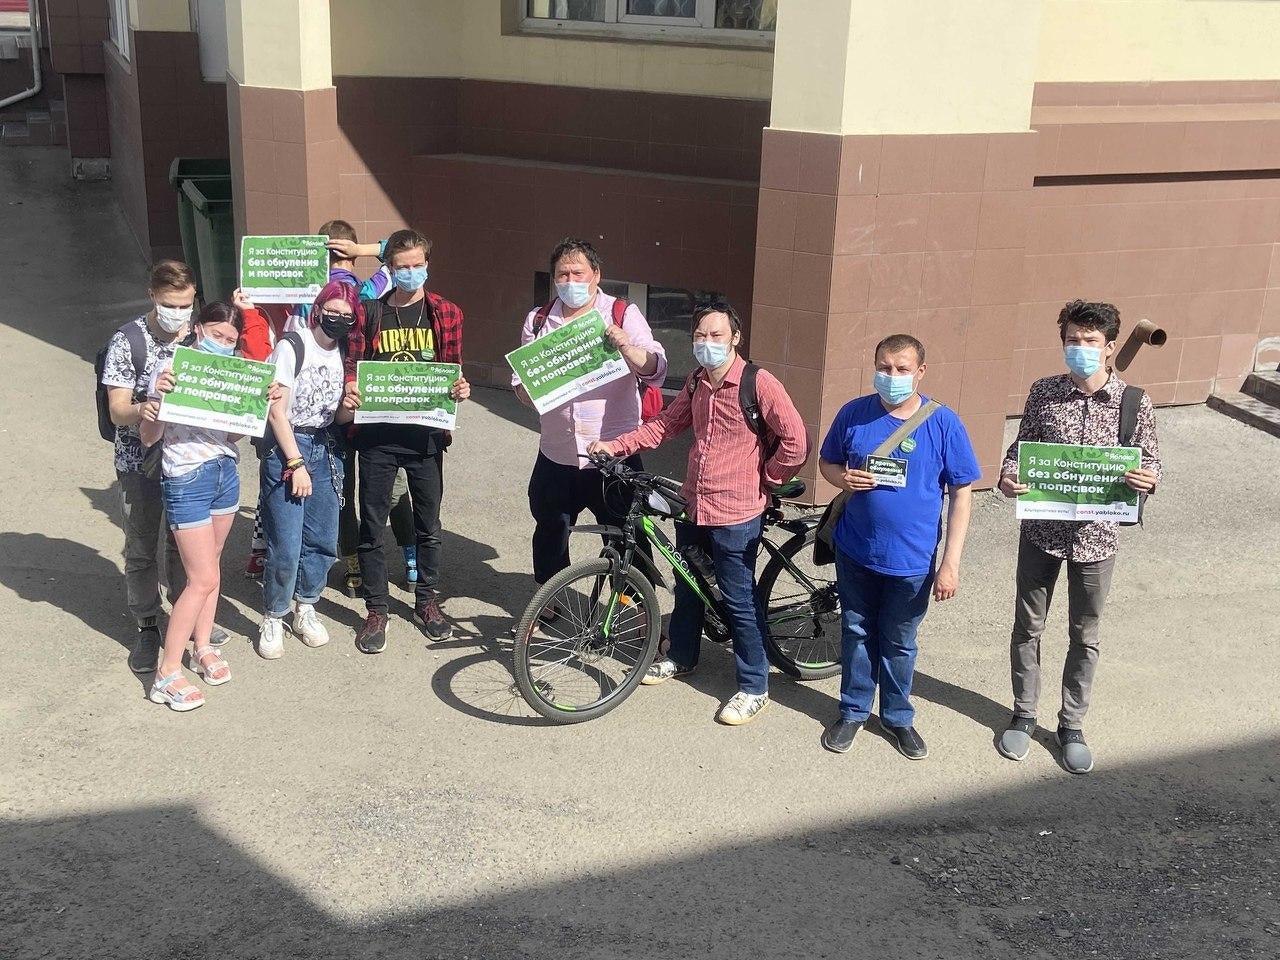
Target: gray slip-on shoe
1015, 742
1076, 757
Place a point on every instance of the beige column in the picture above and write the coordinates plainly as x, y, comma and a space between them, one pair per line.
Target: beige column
893, 198
282, 110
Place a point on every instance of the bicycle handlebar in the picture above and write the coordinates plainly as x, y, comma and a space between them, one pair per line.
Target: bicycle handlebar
617, 468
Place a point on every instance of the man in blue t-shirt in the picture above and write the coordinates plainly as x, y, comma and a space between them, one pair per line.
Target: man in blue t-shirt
887, 538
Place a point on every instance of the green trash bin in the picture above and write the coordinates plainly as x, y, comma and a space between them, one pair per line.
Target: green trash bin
194, 168
215, 236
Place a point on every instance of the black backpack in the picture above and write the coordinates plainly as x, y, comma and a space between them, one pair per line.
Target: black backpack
1130, 404
138, 353
750, 404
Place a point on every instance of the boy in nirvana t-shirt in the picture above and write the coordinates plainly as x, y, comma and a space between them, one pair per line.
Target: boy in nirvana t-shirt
409, 324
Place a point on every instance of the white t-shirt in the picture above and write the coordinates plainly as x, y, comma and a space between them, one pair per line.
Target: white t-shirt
186, 448
315, 394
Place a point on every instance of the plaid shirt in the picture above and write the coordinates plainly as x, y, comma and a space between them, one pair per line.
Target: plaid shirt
1057, 412
447, 323
727, 472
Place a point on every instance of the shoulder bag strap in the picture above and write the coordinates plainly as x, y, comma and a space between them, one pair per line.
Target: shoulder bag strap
827, 526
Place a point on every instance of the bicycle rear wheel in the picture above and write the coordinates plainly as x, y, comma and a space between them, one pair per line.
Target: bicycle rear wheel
567, 667
802, 609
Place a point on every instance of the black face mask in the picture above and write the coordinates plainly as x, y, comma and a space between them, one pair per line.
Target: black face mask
336, 325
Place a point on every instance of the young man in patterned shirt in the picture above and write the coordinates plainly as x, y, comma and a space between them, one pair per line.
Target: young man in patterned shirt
125, 376
1081, 406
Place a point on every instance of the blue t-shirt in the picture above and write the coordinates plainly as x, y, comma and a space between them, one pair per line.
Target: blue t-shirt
895, 530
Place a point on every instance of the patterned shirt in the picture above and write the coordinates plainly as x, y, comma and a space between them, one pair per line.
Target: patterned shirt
1058, 412
727, 473
118, 371
609, 410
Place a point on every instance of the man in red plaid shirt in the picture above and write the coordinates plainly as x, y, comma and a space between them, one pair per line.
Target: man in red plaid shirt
408, 324
730, 469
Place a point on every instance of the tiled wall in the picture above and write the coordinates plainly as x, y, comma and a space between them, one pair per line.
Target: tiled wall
88, 123
77, 30
861, 237
1164, 199
654, 192
160, 108
654, 133
284, 160
494, 222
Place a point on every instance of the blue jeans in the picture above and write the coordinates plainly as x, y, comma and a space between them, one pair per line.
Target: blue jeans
194, 498
880, 616
733, 551
302, 535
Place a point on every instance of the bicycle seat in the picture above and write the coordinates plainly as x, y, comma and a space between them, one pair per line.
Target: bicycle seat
790, 491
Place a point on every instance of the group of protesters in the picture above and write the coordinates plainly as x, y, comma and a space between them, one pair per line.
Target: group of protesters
328, 486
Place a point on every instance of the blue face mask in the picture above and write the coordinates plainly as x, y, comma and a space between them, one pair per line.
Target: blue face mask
574, 293
894, 389
410, 279
1083, 361
210, 345
711, 355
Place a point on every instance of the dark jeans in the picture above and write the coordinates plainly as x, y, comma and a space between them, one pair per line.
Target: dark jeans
557, 495
349, 521
733, 551
1087, 587
426, 488
880, 615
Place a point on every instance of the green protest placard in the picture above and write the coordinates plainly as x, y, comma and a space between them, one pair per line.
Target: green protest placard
220, 393
283, 269
567, 362
415, 393
1071, 482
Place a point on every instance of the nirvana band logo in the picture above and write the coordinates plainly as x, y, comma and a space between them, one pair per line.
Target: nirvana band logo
407, 344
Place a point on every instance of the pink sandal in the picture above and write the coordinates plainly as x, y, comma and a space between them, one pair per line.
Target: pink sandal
215, 673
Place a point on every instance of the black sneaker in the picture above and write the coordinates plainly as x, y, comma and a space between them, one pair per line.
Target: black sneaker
372, 637
428, 616
145, 655
909, 743
838, 737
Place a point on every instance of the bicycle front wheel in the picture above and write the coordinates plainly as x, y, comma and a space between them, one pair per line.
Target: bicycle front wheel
802, 609
581, 648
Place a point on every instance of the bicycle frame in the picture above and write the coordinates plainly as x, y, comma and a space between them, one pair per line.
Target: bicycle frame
641, 526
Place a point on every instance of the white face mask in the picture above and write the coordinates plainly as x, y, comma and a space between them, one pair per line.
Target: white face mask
574, 294
172, 319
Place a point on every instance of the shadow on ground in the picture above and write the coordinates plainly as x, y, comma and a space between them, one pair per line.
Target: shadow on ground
1173, 859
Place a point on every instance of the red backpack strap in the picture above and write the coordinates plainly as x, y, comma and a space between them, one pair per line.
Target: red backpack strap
619, 311
540, 318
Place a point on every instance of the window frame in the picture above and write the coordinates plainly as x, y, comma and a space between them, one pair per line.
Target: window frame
620, 25
118, 26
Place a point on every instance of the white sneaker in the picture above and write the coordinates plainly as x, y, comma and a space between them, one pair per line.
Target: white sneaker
271, 638
308, 627
742, 708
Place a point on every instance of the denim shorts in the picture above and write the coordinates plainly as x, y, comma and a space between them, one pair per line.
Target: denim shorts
194, 498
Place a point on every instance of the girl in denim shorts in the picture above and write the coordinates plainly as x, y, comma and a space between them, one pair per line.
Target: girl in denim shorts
201, 496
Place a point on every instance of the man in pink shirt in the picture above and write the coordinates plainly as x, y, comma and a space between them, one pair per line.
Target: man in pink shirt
563, 483
730, 469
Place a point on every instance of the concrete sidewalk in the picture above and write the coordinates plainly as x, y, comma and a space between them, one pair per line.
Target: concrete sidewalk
409, 805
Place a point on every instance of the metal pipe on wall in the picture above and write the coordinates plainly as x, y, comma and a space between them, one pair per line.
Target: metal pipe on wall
37, 78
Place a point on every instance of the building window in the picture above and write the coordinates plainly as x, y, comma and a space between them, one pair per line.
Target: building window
118, 26
669, 311
701, 20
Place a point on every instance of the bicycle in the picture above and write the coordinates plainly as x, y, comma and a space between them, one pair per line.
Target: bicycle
590, 632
